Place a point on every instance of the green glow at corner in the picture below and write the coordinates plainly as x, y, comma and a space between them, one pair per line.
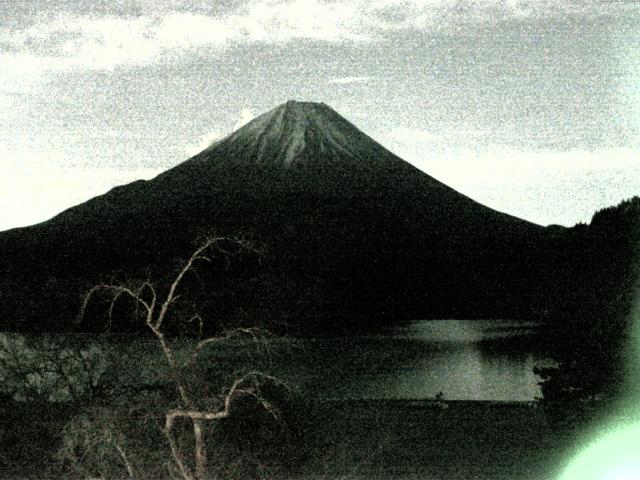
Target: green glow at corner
615, 454
614, 457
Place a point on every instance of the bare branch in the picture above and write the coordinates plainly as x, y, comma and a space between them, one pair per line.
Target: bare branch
255, 333
178, 280
112, 306
235, 390
116, 291
148, 286
200, 448
173, 366
124, 458
197, 318
185, 471
146, 296
189, 266
198, 416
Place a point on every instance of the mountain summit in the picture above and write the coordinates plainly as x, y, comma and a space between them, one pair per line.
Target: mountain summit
296, 134
353, 232
311, 149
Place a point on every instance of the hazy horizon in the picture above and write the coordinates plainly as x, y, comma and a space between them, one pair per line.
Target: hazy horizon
529, 108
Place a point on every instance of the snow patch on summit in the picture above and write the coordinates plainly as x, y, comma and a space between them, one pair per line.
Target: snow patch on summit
300, 133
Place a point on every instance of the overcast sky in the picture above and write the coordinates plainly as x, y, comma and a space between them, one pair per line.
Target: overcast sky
530, 107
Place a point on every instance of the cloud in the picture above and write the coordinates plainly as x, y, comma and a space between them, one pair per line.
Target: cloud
106, 41
348, 80
246, 115
205, 141
286, 20
408, 135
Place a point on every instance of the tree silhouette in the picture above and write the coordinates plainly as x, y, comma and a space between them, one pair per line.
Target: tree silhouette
156, 307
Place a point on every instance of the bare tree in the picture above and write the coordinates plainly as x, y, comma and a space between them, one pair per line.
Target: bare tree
156, 309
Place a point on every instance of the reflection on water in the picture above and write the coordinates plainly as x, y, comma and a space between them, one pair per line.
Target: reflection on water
462, 359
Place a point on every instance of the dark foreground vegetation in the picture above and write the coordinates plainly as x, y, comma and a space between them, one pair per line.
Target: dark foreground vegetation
593, 304
315, 440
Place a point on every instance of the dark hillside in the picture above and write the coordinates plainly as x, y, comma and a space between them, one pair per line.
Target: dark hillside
596, 275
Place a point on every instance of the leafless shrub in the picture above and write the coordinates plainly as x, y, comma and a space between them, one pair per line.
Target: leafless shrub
189, 459
94, 446
49, 368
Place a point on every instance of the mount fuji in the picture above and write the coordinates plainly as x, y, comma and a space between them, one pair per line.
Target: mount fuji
353, 234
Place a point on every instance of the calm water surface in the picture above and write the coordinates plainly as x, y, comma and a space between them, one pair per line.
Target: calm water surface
461, 359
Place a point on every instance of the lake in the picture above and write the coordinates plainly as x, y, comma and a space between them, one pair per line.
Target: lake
449, 359
459, 359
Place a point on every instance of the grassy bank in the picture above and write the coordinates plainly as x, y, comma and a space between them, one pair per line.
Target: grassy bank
444, 440
350, 439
